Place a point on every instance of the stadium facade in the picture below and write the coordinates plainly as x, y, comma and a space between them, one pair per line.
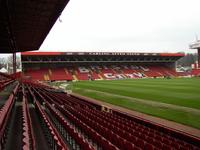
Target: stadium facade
98, 65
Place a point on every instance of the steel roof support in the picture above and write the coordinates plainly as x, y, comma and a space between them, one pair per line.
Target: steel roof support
14, 63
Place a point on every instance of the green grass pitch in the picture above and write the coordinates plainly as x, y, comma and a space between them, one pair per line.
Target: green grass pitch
173, 99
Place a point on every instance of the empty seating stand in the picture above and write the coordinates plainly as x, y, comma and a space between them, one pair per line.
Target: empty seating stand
63, 122
103, 72
83, 125
60, 74
39, 74
196, 72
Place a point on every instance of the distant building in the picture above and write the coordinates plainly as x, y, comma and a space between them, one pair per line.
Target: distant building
3, 70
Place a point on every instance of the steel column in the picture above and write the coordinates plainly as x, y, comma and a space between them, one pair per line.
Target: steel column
14, 63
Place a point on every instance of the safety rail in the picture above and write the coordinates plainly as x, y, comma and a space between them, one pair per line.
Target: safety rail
98, 138
78, 138
101, 141
56, 141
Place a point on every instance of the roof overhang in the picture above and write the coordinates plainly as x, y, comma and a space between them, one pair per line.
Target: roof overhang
24, 24
101, 54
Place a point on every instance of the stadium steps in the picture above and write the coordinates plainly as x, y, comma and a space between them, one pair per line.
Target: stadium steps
19, 135
50, 72
66, 71
46, 77
14, 135
59, 74
40, 139
100, 77
75, 78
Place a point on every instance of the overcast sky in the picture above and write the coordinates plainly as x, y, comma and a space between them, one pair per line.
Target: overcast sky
126, 25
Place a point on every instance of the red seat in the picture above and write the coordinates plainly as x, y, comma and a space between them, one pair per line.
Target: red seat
166, 147
148, 146
158, 144
166, 141
140, 143
175, 145
129, 146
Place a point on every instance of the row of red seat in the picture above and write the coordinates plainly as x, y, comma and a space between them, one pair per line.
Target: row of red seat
92, 134
196, 72
70, 129
106, 123
130, 132
5, 80
149, 133
167, 140
110, 130
28, 137
57, 141
102, 142
183, 139
60, 74
114, 129
78, 138
37, 74
5, 112
61, 96
105, 72
125, 128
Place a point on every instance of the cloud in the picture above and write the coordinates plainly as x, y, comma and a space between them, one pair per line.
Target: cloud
129, 24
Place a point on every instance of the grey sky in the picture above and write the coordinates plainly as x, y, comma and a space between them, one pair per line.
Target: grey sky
126, 25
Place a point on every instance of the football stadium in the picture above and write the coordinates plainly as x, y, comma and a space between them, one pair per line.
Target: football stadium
91, 100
